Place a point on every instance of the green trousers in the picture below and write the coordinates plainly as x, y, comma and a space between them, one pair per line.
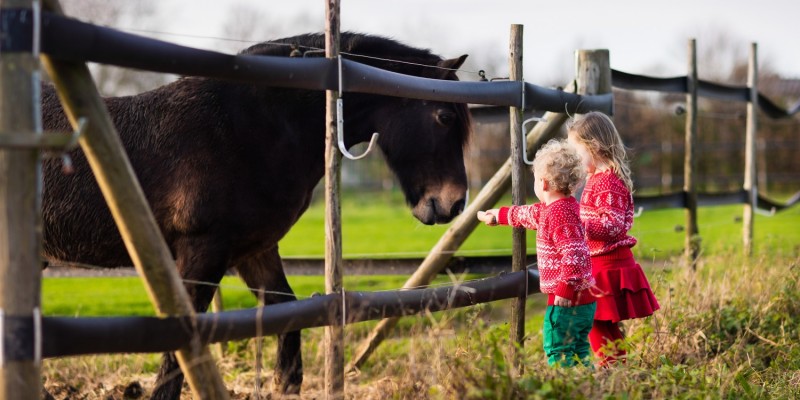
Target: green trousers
566, 334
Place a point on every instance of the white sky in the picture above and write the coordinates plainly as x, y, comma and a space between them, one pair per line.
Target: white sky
643, 37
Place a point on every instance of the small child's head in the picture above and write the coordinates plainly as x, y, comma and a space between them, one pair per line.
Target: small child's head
559, 164
599, 137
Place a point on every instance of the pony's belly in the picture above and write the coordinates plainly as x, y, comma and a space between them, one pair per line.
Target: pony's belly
104, 254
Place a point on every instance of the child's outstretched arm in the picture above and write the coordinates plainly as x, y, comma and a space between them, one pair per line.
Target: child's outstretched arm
488, 217
525, 216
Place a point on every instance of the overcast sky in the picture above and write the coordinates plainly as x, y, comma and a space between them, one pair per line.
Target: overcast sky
644, 37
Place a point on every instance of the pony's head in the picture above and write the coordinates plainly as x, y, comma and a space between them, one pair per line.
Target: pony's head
423, 141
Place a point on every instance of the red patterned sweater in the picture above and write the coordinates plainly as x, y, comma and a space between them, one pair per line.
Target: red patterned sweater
607, 213
565, 268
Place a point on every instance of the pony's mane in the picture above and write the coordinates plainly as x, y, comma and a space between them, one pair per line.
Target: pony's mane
377, 51
373, 50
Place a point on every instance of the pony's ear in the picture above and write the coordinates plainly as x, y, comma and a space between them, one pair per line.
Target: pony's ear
453, 63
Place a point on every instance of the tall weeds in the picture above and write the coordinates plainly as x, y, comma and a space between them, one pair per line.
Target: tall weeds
730, 330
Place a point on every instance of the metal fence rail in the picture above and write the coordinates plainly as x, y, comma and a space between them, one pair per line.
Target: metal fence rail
69, 39
679, 84
62, 336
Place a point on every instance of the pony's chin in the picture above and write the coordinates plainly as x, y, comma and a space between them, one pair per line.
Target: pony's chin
427, 216
431, 211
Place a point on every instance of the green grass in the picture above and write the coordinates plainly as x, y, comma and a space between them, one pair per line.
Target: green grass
126, 296
728, 330
381, 226
660, 232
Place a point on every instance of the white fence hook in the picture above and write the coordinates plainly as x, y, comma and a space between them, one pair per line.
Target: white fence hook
764, 212
525, 138
340, 124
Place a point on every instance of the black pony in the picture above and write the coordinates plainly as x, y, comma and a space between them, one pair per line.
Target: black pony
228, 168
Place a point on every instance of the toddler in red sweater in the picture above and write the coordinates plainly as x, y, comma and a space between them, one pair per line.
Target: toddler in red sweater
565, 271
606, 210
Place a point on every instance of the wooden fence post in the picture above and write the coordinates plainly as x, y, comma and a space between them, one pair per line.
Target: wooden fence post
334, 332
692, 243
593, 72
666, 161
750, 176
20, 221
518, 251
592, 76
216, 307
128, 205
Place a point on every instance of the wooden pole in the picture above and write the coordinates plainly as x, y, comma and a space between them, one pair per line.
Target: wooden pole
146, 246
762, 155
459, 231
216, 307
20, 221
518, 256
334, 333
593, 75
750, 176
139, 230
666, 161
692, 243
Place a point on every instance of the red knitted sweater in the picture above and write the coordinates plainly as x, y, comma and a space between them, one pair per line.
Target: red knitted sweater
607, 213
565, 268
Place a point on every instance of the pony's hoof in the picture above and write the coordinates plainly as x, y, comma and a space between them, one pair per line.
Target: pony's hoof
286, 388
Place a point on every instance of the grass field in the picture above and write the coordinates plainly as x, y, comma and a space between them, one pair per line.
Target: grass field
78, 296
729, 330
380, 226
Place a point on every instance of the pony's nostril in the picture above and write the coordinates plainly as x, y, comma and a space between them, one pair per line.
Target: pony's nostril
433, 204
431, 216
457, 208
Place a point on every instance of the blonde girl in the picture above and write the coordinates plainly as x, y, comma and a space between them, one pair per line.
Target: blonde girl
606, 210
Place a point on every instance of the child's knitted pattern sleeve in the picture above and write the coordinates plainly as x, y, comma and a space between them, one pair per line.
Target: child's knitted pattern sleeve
607, 212
526, 216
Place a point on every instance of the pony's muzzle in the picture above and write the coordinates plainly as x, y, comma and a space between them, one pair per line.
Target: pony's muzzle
436, 210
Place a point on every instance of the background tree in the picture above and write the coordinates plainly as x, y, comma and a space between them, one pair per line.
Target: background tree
141, 15
246, 24
648, 121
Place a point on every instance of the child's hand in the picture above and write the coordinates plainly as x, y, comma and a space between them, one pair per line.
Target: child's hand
562, 301
489, 217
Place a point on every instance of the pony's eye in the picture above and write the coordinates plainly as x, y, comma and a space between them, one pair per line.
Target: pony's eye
446, 118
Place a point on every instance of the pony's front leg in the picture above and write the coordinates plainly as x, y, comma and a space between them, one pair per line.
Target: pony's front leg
265, 271
198, 260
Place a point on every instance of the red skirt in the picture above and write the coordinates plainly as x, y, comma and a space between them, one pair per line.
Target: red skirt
622, 289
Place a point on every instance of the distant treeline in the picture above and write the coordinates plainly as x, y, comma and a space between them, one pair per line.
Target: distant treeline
653, 127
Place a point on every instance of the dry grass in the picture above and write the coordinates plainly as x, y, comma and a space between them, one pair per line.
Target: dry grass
729, 330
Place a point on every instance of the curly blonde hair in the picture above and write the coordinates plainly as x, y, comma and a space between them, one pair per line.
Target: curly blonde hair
560, 165
597, 132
